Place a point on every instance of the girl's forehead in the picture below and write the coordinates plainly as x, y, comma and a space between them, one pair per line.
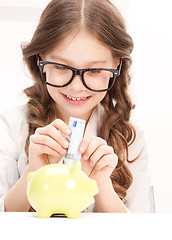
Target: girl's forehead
81, 46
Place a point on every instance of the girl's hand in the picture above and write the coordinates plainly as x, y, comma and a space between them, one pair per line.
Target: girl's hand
48, 144
98, 159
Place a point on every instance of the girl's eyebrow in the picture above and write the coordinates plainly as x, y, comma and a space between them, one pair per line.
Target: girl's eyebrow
68, 62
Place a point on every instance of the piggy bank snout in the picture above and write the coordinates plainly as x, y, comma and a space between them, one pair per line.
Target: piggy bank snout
29, 176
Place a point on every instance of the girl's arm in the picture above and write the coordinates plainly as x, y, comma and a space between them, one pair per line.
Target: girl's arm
98, 162
47, 145
107, 200
16, 199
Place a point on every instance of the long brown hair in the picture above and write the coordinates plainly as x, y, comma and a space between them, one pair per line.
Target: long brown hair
103, 21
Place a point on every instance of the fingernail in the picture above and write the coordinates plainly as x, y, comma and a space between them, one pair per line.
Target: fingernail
65, 144
81, 149
68, 131
97, 167
63, 151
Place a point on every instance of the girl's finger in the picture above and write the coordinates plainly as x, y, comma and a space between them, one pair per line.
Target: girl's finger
109, 161
47, 150
49, 142
63, 127
40, 149
84, 143
101, 151
92, 146
53, 133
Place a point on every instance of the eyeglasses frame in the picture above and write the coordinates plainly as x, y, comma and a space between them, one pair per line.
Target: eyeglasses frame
80, 72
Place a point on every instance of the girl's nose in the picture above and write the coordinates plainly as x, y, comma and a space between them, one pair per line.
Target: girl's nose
77, 84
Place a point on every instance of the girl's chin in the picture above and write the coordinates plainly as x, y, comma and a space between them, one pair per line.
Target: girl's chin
74, 111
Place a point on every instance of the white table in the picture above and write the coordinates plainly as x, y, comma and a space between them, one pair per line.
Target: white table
89, 226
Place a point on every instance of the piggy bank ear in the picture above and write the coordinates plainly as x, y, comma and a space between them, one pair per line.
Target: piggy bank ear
75, 170
29, 176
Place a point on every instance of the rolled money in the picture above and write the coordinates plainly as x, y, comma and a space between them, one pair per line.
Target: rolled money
77, 127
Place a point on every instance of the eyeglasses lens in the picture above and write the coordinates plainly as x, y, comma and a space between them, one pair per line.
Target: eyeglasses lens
94, 79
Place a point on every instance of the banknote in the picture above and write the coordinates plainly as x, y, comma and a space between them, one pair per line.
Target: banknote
77, 127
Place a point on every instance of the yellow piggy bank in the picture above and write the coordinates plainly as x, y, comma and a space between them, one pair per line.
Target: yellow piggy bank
60, 189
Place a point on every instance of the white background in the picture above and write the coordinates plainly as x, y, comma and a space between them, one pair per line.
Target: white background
149, 24
88, 227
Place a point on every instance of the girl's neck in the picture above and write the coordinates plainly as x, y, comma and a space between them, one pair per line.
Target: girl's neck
65, 118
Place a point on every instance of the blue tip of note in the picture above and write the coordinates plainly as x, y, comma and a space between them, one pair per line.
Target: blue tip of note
74, 123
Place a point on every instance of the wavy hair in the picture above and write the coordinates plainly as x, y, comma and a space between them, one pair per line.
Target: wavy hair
101, 19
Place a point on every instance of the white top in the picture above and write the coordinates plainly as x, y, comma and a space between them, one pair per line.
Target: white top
13, 159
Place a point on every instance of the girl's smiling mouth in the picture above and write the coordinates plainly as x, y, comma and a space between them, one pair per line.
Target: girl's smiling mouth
76, 100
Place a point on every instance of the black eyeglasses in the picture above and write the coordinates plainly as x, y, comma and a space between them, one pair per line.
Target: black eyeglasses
94, 79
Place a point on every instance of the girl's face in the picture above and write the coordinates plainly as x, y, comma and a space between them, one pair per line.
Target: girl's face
80, 51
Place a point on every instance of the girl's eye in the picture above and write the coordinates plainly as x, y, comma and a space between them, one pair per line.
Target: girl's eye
60, 68
94, 71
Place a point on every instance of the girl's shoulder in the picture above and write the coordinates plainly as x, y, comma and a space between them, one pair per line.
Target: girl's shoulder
13, 134
14, 120
15, 114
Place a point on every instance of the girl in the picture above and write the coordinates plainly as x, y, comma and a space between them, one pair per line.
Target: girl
79, 58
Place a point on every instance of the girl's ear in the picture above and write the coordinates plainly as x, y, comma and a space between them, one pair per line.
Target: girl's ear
116, 62
41, 56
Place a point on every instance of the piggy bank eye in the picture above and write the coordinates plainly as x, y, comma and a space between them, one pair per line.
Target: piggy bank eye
70, 184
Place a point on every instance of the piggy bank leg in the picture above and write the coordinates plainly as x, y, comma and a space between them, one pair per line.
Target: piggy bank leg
44, 213
73, 213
